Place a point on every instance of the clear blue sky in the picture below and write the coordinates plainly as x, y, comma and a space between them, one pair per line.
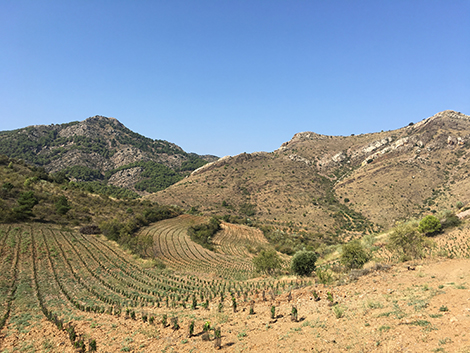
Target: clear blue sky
226, 77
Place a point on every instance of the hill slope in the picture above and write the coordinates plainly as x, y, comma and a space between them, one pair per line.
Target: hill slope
338, 184
101, 148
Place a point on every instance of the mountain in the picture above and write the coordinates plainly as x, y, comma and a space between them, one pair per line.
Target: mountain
341, 185
102, 149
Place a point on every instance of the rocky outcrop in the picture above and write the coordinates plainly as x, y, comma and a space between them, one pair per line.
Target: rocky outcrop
126, 178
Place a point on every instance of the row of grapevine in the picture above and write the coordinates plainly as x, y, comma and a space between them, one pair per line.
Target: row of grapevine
173, 246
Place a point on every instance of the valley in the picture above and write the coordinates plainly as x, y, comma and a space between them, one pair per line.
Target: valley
166, 251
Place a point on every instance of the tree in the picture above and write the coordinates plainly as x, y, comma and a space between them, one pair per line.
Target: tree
303, 263
62, 205
26, 202
429, 225
354, 255
267, 261
248, 209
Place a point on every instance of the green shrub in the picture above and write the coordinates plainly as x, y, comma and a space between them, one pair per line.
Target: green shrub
429, 225
448, 219
248, 209
267, 261
406, 240
324, 276
207, 326
26, 202
203, 233
338, 311
303, 263
354, 255
111, 229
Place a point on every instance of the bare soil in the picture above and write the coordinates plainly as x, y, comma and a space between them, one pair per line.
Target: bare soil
412, 307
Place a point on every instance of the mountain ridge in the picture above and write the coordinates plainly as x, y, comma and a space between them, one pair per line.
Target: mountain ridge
88, 150
336, 184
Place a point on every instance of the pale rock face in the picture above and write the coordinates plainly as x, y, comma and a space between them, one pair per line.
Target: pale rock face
127, 156
376, 144
126, 178
297, 158
339, 157
453, 141
401, 142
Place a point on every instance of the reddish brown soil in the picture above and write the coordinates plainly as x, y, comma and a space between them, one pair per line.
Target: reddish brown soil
422, 310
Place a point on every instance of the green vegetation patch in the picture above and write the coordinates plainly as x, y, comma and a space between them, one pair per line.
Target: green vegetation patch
203, 233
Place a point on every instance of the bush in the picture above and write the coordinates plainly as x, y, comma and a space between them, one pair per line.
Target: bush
267, 261
248, 209
406, 240
203, 233
354, 255
448, 219
324, 276
111, 229
90, 229
303, 263
429, 225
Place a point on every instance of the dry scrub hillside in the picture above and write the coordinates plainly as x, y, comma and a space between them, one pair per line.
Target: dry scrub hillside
331, 183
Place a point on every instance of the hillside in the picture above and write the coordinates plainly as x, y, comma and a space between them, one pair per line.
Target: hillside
338, 184
102, 150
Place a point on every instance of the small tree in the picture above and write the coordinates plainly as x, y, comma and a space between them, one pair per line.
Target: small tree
303, 263
354, 255
429, 225
267, 261
26, 202
62, 205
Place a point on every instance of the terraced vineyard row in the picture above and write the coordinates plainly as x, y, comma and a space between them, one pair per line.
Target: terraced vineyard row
58, 281
231, 259
237, 239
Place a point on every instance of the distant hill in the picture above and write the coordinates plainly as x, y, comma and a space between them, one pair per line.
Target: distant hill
338, 185
103, 150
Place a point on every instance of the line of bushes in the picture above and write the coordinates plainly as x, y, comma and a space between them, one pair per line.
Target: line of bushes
125, 233
203, 233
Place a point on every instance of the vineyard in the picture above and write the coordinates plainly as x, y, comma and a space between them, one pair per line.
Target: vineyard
67, 284
64, 291
231, 258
